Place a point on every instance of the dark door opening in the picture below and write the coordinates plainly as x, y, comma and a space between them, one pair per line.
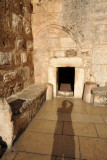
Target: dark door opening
66, 76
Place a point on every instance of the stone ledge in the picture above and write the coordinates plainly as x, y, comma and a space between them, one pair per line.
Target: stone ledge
99, 96
21, 108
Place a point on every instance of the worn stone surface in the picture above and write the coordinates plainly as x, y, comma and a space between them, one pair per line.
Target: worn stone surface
89, 145
87, 91
6, 125
15, 45
25, 104
73, 28
5, 58
71, 53
99, 96
52, 137
18, 111
28, 156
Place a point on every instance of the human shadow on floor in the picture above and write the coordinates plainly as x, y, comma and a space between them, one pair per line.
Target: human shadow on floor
64, 145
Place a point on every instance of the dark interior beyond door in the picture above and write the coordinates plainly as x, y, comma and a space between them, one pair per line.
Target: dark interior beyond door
66, 77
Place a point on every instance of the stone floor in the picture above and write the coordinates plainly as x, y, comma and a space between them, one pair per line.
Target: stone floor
64, 129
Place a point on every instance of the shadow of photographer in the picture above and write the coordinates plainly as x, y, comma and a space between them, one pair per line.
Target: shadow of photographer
64, 145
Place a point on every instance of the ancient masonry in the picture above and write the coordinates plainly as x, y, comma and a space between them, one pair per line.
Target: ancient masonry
16, 67
37, 37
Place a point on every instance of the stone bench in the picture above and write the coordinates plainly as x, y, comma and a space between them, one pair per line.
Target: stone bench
17, 111
99, 96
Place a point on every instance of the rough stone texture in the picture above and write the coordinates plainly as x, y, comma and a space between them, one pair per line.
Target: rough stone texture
99, 96
6, 125
16, 66
19, 111
70, 28
50, 137
87, 91
49, 93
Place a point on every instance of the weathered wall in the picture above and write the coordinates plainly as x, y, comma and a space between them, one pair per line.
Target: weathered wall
70, 28
16, 67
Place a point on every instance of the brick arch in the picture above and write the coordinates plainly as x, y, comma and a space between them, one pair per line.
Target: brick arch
74, 34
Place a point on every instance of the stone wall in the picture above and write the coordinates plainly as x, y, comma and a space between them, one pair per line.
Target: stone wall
16, 67
71, 28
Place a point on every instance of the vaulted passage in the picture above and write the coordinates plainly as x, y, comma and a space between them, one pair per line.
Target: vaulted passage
66, 76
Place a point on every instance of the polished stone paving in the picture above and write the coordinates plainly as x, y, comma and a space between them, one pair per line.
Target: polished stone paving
64, 129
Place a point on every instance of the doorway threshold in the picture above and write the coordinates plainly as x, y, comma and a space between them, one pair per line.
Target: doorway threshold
65, 94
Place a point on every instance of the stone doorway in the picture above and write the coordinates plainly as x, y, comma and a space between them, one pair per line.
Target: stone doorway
65, 80
75, 62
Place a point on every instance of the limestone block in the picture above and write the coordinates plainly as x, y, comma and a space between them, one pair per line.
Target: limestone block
100, 100
26, 26
86, 52
67, 42
6, 125
87, 25
100, 54
79, 82
24, 72
54, 7
59, 54
100, 34
85, 4
53, 42
29, 45
100, 73
72, 16
71, 5
17, 59
19, 42
16, 23
26, 13
8, 77
99, 96
49, 92
35, 7
87, 91
101, 9
100, 20
5, 58
87, 63
87, 14
52, 74
40, 43
53, 30
23, 57
88, 74
66, 62
88, 35
71, 53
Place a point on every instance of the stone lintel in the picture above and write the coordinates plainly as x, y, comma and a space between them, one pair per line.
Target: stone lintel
66, 62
